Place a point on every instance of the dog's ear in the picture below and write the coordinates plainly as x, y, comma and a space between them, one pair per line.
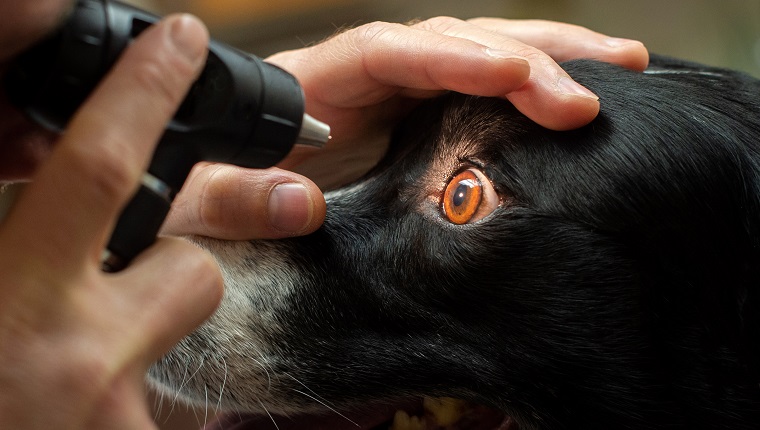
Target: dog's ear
688, 137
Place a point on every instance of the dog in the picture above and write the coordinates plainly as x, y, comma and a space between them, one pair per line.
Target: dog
601, 278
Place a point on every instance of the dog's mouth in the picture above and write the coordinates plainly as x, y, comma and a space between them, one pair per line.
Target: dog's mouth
426, 414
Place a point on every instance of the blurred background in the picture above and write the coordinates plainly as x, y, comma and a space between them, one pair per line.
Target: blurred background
723, 33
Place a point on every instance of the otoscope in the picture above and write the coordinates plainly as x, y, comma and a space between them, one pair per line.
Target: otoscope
240, 111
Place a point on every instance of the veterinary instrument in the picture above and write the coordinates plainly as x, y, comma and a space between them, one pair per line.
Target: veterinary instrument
240, 110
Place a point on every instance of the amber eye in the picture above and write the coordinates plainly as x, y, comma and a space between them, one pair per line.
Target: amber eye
463, 196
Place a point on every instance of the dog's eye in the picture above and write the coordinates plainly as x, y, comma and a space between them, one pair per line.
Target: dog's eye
469, 197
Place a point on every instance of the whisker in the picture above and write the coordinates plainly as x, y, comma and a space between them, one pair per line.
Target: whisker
184, 382
264, 368
205, 413
270, 415
200, 366
324, 401
224, 382
176, 393
328, 407
158, 405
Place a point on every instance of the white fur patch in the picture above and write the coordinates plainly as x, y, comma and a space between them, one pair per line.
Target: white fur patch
229, 357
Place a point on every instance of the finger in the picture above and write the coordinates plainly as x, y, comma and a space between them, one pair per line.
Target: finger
567, 41
173, 287
96, 165
228, 202
372, 62
550, 97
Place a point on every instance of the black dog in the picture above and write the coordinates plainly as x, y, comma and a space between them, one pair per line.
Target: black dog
603, 278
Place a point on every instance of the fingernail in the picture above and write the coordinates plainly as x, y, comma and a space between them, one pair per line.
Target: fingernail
186, 35
570, 87
505, 55
290, 208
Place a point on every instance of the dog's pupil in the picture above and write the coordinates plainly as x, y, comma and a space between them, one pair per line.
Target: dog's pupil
460, 195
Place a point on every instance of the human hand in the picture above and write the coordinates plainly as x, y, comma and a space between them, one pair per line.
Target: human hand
363, 80
75, 342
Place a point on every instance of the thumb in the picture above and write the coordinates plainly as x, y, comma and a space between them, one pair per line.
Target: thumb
228, 202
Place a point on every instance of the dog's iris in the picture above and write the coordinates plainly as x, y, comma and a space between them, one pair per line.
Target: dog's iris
462, 197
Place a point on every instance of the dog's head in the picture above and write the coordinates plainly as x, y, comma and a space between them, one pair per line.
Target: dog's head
606, 277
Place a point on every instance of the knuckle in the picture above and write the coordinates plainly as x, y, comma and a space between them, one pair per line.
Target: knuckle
155, 77
210, 214
532, 54
374, 31
103, 170
353, 42
441, 24
211, 208
560, 30
371, 31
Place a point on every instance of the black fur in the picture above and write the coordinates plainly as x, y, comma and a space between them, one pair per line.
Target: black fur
618, 288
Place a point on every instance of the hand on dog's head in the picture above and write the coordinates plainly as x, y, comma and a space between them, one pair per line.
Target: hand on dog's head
601, 278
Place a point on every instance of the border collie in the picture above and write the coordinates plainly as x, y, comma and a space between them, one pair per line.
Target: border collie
602, 278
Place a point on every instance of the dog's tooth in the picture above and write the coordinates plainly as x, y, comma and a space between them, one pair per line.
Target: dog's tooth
446, 410
402, 421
